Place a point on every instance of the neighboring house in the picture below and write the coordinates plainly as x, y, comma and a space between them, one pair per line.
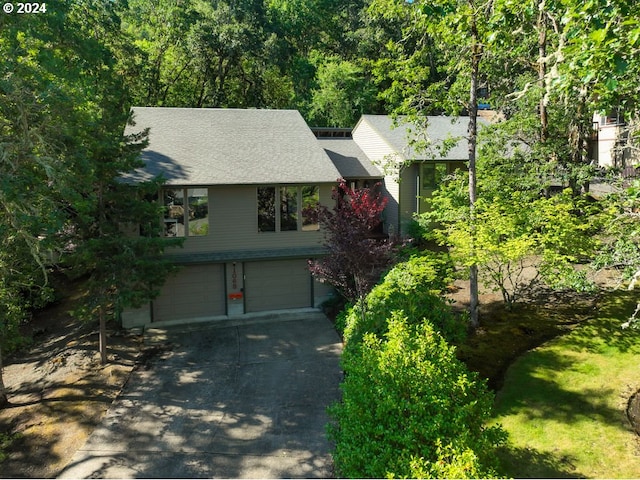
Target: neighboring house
414, 163
614, 144
241, 186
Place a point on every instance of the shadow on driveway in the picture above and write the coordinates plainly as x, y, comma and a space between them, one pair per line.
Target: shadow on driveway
243, 401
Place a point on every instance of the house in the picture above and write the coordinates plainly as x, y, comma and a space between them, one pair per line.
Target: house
241, 187
413, 163
614, 144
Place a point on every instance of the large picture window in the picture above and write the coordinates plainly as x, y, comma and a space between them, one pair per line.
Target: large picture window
198, 219
297, 208
186, 212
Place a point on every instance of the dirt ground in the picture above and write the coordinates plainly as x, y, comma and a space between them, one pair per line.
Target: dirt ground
59, 391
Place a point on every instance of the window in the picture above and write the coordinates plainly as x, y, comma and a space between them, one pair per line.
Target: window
266, 209
186, 212
198, 220
174, 213
297, 208
288, 209
310, 202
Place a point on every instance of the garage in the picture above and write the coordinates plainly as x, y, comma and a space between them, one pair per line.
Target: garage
196, 291
276, 285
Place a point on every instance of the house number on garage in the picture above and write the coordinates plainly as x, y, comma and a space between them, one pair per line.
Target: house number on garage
234, 277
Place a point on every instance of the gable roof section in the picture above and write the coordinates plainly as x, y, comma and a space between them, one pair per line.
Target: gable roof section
347, 157
203, 146
439, 128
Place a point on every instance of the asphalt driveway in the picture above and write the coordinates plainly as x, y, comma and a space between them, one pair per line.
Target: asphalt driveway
235, 401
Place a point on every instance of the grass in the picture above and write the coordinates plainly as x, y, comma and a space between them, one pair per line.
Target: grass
564, 403
507, 333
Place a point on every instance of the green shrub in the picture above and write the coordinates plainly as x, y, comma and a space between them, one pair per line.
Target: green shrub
411, 409
414, 287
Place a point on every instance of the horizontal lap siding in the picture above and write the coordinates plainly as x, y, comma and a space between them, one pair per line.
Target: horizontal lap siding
408, 195
233, 224
380, 153
194, 292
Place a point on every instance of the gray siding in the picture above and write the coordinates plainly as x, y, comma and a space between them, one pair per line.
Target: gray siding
233, 225
382, 155
408, 195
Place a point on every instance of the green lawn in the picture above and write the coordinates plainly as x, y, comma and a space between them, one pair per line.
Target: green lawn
564, 403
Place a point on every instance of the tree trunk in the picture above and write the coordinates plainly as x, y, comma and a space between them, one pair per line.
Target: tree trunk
103, 336
541, 26
542, 70
476, 51
4, 397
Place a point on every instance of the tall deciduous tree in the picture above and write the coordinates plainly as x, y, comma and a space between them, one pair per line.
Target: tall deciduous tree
459, 29
344, 93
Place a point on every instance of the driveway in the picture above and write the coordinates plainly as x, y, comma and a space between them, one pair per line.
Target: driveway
237, 401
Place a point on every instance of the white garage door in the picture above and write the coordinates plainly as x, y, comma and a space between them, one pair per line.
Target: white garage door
277, 285
195, 291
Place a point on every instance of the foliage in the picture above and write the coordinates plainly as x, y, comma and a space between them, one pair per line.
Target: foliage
358, 253
64, 107
342, 96
411, 409
41, 154
413, 287
6, 440
520, 236
621, 249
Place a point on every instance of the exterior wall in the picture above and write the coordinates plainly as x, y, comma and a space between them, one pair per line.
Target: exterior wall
233, 224
408, 195
216, 289
382, 155
606, 141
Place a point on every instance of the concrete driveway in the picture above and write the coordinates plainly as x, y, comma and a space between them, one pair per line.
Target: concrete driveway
242, 399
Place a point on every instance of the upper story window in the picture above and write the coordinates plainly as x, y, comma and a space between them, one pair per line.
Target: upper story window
186, 212
288, 208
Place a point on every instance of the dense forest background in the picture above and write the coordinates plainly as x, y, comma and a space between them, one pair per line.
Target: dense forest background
72, 70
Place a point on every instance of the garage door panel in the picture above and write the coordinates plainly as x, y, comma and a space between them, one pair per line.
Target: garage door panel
195, 291
276, 285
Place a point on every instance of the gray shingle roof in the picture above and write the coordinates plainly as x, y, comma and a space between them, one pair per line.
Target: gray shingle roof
347, 157
439, 129
230, 146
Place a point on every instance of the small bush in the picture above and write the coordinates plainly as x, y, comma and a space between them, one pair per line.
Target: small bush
413, 287
411, 409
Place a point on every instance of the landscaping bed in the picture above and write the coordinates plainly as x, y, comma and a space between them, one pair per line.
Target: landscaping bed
59, 391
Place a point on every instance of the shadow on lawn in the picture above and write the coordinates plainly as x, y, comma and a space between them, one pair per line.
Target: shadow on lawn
534, 391
536, 464
606, 332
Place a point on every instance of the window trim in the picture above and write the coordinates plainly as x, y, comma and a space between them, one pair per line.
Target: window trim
278, 207
185, 210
